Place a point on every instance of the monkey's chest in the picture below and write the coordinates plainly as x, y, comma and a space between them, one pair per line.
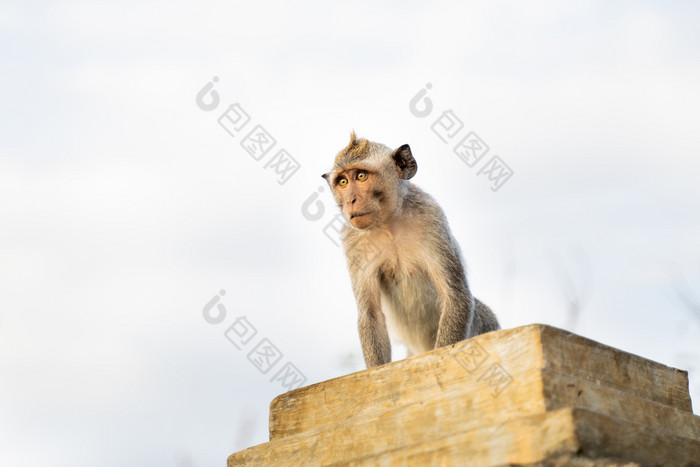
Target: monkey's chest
409, 298
410, 304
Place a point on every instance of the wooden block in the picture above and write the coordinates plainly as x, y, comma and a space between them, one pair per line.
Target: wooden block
533, 395
563, 437
468, 408
404, 382
507, 365
562, 391
605, 436
524, 440
568, 353
490, 443
560, 437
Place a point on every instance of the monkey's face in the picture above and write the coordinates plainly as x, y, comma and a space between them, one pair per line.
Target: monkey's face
367, 180
365, 196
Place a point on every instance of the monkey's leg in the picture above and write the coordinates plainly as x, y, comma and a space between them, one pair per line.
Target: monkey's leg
456, 315
374, 337
456, 301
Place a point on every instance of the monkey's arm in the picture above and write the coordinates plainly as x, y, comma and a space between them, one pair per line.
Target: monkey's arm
374, 337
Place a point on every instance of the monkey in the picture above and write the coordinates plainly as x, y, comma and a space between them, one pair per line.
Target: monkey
406, 268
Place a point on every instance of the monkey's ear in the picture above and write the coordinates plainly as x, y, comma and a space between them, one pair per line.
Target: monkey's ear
405, 162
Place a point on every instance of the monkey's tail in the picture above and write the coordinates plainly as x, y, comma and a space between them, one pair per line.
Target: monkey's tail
484, 319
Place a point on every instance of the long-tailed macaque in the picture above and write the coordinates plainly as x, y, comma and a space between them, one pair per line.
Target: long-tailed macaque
407, 273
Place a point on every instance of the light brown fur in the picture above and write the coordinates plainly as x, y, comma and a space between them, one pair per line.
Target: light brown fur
406, 268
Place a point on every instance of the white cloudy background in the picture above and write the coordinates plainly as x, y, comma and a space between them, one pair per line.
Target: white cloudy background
124, 208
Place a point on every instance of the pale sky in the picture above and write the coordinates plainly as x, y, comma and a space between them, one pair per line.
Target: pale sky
126, 208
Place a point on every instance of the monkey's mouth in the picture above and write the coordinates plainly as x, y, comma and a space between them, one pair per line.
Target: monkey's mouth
359, 214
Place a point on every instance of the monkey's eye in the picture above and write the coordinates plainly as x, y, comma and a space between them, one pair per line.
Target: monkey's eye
361, 175
343, 181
